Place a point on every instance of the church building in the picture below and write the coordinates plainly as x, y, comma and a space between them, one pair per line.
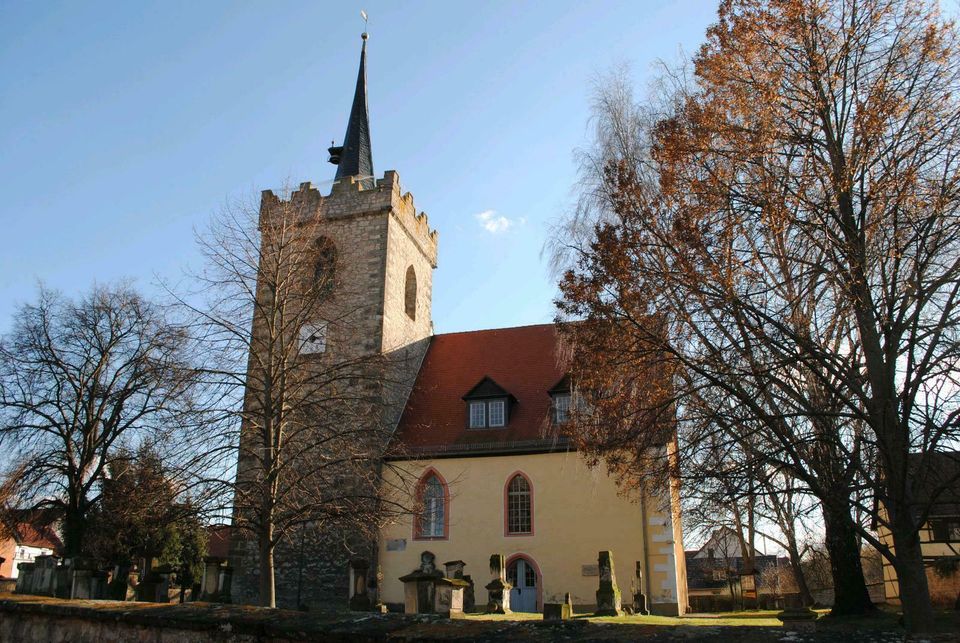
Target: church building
479, 423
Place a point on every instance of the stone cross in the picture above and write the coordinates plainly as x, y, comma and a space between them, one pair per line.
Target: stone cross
639, 598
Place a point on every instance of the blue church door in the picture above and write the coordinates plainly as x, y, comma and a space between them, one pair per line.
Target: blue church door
523, 577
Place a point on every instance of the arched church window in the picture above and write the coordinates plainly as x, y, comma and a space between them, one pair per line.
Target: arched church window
433, 517
410, 293
519, 507
325, 268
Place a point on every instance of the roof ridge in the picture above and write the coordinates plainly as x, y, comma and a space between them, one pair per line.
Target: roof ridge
490, 330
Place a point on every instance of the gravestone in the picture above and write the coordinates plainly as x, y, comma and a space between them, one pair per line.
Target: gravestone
454, 569
559, 611
226, 584
81, 573
25, 578
210, 583
123, 585
608, 595
639, 598
155, 587
498, 589
427, 591
359, 594
419, 586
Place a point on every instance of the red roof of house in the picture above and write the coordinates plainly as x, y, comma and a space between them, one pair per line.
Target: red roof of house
218, 540
522, 360
33, 528
38, 536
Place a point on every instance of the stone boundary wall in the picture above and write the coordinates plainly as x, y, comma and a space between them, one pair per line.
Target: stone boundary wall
40, 619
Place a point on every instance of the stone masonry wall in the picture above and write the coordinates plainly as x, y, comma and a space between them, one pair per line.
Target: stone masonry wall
378, 235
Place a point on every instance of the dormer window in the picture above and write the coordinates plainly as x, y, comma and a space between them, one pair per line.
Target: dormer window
561, 407
478, 415
497, 412
488, 414
560, 401
488, 405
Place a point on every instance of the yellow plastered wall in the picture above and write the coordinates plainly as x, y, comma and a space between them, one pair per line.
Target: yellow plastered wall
930, 549
577, 512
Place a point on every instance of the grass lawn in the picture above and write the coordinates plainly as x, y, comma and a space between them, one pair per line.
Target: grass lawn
886, 619
766, 618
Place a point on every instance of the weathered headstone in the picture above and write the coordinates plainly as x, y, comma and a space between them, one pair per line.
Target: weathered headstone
81, 573
559, 611
25, 578
454, 568
419, 586
427, 591
226, 584
639, 598
210, 583
498, 589
359, 596
608, 595
155, 587
62, 583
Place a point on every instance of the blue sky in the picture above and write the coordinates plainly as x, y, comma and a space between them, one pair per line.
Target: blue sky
124, 125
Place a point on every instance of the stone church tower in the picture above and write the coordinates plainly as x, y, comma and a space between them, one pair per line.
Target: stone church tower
384, 254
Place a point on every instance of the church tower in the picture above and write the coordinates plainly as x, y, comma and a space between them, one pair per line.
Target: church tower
378, 254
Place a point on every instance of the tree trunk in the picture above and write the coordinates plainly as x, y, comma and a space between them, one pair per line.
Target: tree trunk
912, 578
849, 588
268, 597
73, 532
806, 598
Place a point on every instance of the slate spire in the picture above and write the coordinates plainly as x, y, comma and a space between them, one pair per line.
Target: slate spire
355, 157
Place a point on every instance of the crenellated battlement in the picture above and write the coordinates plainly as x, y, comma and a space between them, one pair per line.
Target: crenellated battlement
348, 198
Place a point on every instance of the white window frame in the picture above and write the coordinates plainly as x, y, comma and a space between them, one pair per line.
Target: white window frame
478, 415
561, 408
500, 404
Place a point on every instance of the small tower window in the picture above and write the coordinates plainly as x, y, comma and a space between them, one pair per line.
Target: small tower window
325, 268
410, 293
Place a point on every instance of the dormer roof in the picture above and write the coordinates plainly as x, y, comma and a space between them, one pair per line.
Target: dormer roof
561, 386
486, 389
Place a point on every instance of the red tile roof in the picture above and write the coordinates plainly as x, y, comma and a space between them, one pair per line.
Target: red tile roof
522, 360
37, 536
218, 540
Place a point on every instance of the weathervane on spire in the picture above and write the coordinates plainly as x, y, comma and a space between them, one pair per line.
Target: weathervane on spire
363, 14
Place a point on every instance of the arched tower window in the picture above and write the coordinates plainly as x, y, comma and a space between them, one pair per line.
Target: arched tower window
325, 267
433, 518
519, 505
410, 293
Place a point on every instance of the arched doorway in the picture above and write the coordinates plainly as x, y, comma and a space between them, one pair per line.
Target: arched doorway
523, 574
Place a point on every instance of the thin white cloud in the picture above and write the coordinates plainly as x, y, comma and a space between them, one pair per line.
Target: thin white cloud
495, 223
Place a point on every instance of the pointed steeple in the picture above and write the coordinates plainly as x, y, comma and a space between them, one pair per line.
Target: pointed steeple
355, 157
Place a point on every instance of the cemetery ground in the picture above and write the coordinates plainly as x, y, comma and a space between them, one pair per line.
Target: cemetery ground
221, 622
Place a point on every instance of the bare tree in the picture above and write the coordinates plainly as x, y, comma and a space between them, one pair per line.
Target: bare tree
301, 387
794, 223
79, 379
